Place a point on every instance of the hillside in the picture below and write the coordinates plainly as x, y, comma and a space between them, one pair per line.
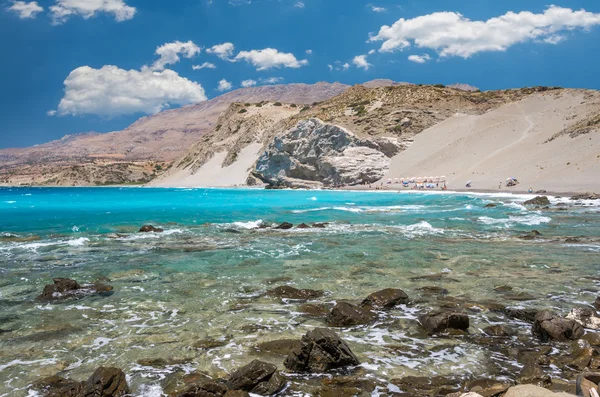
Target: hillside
150, 142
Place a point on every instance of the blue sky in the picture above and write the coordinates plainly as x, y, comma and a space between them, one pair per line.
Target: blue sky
73, 66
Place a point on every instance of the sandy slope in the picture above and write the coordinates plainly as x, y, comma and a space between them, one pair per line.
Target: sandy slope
511, 141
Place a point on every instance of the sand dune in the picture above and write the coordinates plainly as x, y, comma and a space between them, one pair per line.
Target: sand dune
511, 141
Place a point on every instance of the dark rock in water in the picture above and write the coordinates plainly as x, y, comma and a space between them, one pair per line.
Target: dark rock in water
429, 385
56, 386
385, 299
435, 277
257, 377
284, 226
314, 310
346, 386
490, 205
586, 196
282, 346
548, 326
581, 354
592, 338
597, 303
527, 315
236, 393
65, 288
503, 288
206, 388
322, 350
499, 330
346, 314
541, 191
521, 296
488, 387
439, 321
210, 343
539, 200
530, 235
303, 226
232, 230
106, 382
150, 229
161, 362
287, 292
319, 225
433, 290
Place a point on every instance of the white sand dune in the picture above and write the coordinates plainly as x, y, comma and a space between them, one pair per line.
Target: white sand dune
510, 141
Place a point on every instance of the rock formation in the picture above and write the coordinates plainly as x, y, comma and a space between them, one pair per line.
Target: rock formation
315, 153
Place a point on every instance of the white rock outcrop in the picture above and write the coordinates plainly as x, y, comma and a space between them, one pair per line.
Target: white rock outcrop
314, 154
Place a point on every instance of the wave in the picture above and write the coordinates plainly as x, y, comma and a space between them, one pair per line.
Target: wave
248, 225
528, 220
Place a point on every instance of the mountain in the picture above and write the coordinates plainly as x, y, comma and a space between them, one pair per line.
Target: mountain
134, 154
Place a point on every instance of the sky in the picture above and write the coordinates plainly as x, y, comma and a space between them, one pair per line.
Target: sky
72, 66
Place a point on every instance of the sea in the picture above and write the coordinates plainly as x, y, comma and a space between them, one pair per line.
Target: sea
205, 276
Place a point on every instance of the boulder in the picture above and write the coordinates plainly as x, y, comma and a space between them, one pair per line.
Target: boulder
345, 314
527, 315
581, 354
548, 326
303, 226
206, 388
585, 316
314, 310
322, 350
539, 201
106, 382
66, 288
313, 154
319, 225
586, 382
385, 299
533, 391
586, 196
490, 205
150, 229
284, 226
257, 377
499, 330
287, 292
597, 303
56, 386
440, 321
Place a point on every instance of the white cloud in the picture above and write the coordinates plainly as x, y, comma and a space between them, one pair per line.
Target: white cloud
346, 66
308, 52
224, 85
378, 9
169, 53
360, 61
223, 51
88, 8
271, 80
270, 58
51, 113
205, 65
451, 34
330, 67
299, 4
371, 52
419, 58
26, 10
111, 91
248, 83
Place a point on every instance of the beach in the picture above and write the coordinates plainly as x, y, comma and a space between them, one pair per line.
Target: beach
202, 294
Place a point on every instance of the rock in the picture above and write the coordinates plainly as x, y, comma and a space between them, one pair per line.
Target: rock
530, 235
211, 343
206, 388
150, 229
236, 393
161, 362
257, 377
313, 154
322, 350
586, 196
581, 354
385, 299
527, 315
287, 292
66, 288
435, 277
284, 226
303, 226
533, 391
106, 382
345, 314
542, 191
428, 385
347, 386
433, 290
499, 330
490, 205
548, 326
282, 346
585, 316
56, 386
319, 225
592, 338
439, 321
597, 303
314, 310
471, 394
587, 382
539, 201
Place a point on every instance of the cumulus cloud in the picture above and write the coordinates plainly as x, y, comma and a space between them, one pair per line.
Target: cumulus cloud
51, 113
26, 10
271, 80
224, 85
346, 66
223, 51
111, 91
63, 9
419, 58
248, 83
205, 65
169, 53
360, 61
451, 34
308, 52
270, 58
378, 9
299, 4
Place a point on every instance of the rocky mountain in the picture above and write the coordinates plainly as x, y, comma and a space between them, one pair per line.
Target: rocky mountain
464, 87
151, 142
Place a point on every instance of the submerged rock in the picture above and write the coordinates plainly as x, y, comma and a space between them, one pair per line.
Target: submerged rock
530, 235
548, 326
284, 226
539, 201
150, 229
439, 321
66, 288
322, 350
287, 292
314, 310
385, 299
281, 346
345, 314
499, 330
104, 382
257, 377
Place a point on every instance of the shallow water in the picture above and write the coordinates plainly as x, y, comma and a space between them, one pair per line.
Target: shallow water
204, 276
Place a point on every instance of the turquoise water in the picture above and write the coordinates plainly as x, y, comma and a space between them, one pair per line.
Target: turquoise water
203, 278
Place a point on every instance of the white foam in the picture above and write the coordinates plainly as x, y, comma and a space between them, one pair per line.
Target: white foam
78, 242
249, 224
529, 220
151, 391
